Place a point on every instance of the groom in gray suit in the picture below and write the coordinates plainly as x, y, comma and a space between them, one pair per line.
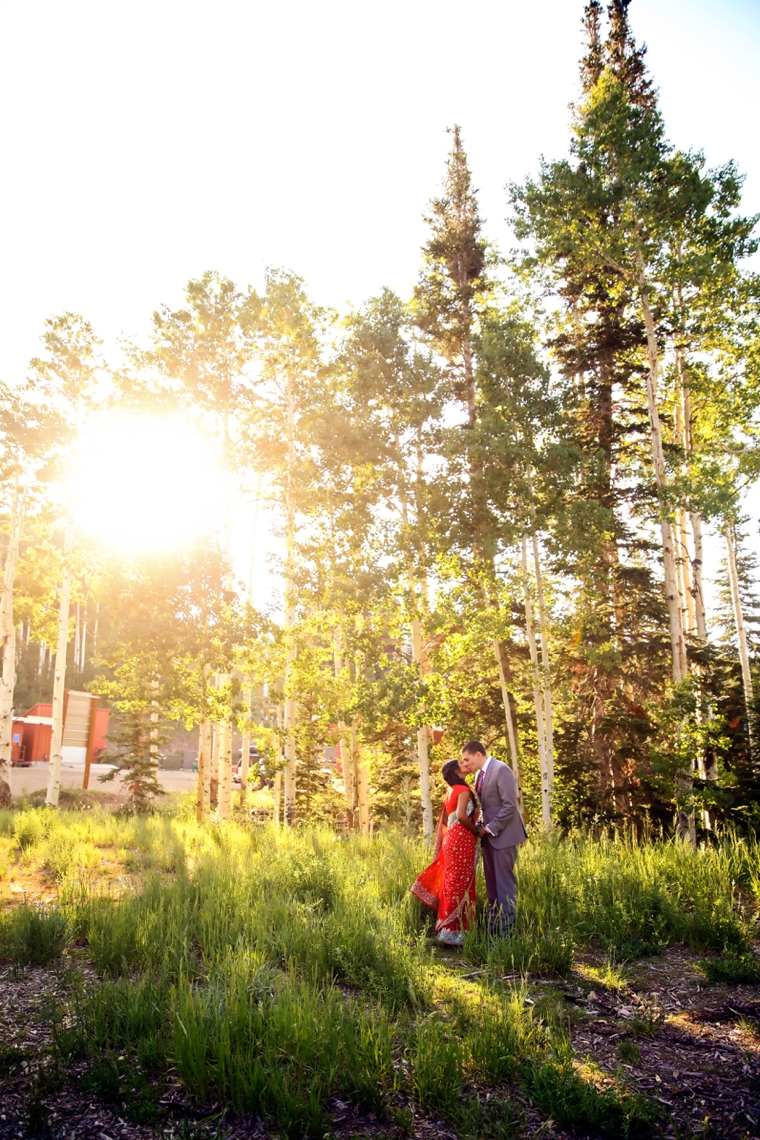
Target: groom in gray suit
501, 830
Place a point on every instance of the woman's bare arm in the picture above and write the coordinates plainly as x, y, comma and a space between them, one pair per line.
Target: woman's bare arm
462, 816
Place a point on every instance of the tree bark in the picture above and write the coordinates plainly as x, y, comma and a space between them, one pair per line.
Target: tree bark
245, 743
203, 787
345, 754
59, 682
290, 615
546, 812
224, 805
677, 642
545, 667
214, 774
415, 592
509, 719
741, 632
8, 639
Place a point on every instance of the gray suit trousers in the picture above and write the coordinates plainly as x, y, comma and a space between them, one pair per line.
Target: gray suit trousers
501, 886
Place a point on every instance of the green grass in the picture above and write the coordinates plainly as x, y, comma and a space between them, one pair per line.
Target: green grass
33, 935
271, 971
733, 969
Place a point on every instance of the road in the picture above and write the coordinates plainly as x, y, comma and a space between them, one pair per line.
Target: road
32, 779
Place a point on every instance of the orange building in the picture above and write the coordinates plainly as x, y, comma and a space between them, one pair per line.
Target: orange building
35, 731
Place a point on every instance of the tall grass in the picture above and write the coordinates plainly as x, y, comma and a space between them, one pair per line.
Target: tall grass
273, 971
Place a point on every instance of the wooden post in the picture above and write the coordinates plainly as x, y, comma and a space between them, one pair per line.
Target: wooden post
94, 702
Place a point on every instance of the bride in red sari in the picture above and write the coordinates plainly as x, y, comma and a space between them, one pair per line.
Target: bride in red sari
448, 884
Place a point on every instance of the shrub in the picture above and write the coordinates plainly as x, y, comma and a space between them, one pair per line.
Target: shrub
33, 935
733, 969
30, 827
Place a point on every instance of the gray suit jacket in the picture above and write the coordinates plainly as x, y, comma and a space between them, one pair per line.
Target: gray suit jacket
498, 800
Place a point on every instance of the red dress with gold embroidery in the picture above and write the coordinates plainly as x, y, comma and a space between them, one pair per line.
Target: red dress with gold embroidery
448, 884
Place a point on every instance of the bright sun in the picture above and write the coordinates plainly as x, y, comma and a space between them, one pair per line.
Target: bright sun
145, 483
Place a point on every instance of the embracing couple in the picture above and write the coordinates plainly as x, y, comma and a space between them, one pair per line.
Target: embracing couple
491, 815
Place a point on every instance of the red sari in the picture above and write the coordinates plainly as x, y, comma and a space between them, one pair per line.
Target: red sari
448, 884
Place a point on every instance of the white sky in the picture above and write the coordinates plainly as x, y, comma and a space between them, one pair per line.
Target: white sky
144, 142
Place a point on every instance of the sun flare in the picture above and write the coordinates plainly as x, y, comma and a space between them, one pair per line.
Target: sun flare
145, 483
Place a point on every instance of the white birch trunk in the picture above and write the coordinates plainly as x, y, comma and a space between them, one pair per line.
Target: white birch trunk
290, 617
345, 754
677, 642
83, 653
214, 767
224, 803
546, 812
699, 597
511, 734
277, 795
363, 789
203, 787
423, 756
245, 744
741, 632
77, 666
545, 666
8, 639
59, 682
154, 729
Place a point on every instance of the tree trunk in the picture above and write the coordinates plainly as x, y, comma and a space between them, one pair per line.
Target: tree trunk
741, 632
509, 719
203, 787
154, 729
245, 744
59, 682
224, 805
214, 774
423, 758
363, 798
545, 667
546, 812
77, 666
83, 651
699, 597
277, 796
290, 616
8, 640
677, 642
345, 755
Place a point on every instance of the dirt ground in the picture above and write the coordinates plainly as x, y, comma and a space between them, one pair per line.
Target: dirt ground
698, 1059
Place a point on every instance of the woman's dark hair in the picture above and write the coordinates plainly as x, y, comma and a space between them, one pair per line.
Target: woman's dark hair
450, 773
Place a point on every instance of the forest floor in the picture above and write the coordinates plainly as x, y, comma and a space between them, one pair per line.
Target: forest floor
693, 1049
653, 1026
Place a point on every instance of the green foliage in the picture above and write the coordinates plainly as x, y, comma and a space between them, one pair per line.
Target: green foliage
31, 827
275, 970
733, 968
32, 935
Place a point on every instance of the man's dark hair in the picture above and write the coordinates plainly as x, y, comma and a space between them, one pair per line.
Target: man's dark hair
474, 746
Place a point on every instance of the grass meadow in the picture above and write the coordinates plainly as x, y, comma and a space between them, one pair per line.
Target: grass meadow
287, 975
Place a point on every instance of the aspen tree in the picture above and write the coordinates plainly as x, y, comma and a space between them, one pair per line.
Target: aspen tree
69, 377
283, 329
8, 636
59, 683
203, 354
453, 291
538, 699
741, 632
395, 391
